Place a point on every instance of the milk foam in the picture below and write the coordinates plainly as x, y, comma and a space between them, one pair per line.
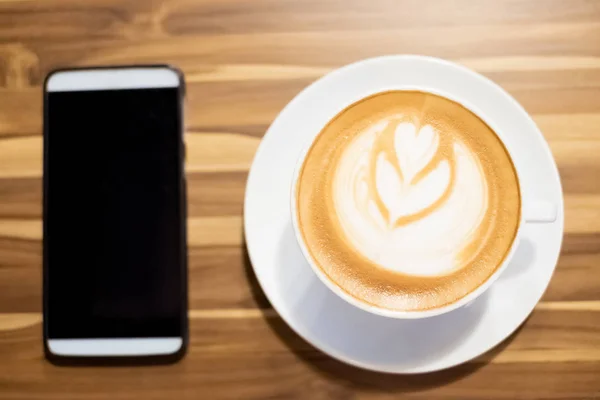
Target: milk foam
405, 204
408, 201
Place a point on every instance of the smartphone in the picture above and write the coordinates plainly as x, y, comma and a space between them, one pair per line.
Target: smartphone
114, 211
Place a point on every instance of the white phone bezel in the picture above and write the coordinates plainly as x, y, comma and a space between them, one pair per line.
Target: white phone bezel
113, 79
115, 347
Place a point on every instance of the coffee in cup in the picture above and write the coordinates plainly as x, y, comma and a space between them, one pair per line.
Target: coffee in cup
407, 201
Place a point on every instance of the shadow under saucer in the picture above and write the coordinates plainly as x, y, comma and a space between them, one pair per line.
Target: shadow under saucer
373, 337
355, 334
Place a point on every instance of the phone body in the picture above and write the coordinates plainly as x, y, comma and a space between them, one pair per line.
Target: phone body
114, 215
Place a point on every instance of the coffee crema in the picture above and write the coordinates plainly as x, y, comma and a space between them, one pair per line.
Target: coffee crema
408, 201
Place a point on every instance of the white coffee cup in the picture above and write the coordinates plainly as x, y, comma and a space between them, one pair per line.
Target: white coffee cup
533, 210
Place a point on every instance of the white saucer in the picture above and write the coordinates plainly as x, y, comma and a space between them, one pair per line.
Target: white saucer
331, 324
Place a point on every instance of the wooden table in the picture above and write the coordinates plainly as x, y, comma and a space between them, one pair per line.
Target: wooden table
243, 61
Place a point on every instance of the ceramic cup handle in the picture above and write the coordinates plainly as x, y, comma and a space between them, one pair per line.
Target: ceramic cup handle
540, 212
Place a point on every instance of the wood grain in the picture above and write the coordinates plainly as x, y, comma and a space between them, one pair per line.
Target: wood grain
243, 61
239, 355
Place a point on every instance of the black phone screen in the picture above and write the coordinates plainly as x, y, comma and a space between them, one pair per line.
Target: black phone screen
114, 214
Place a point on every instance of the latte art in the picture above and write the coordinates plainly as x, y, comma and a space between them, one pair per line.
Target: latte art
407, 201
402, 193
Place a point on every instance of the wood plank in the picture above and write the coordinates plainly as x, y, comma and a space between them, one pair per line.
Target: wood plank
581, 213
221, 193
14, 321
207, 152
211, 78
209, 194
572, 137
251, 377
221, 276
273, 15
570, 336
239, 357
125, 19
540, 93
569, 305
325, 47
218, 277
